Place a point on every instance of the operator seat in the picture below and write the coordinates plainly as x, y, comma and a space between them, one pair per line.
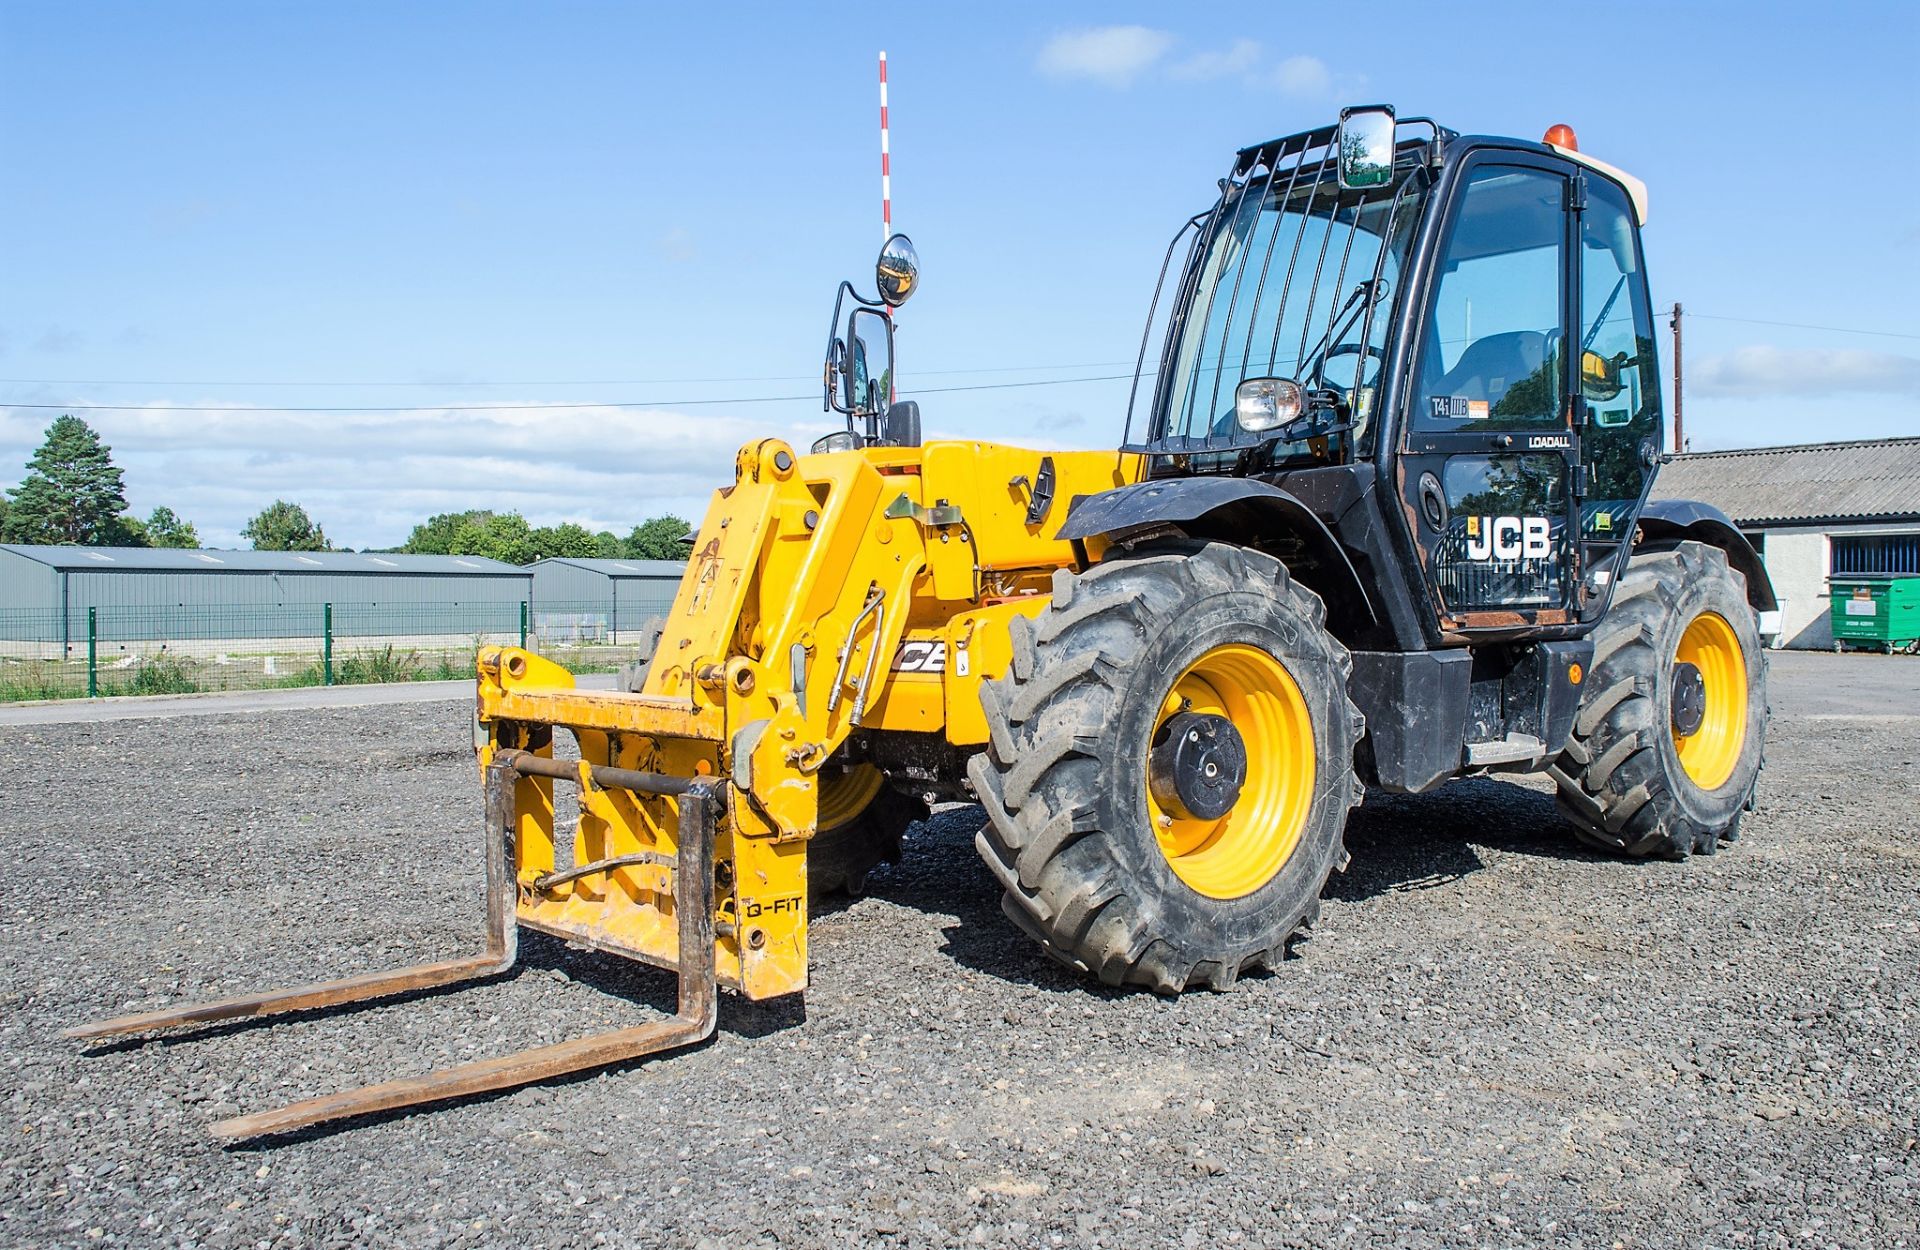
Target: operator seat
1492, 364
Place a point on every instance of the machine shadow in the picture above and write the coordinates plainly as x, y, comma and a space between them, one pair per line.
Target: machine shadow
1399, 843
1404, 842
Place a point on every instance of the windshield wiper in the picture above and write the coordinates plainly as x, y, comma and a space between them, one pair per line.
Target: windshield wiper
1336, 332
1593, 331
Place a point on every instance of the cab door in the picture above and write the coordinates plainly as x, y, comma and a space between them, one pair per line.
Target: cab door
1489, 450
1618, 403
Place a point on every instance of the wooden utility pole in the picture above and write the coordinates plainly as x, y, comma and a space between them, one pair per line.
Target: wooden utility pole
1679, 427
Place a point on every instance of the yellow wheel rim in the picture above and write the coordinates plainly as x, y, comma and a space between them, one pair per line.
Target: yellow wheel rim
846, 793
1241, 851
1709, 754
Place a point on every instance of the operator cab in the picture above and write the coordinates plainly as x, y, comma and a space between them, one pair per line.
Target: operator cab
1385, 307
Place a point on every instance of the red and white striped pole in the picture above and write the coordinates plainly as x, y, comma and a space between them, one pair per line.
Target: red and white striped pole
886, 199
886, 164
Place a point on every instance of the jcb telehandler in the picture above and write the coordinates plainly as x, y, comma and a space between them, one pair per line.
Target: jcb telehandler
1380, 518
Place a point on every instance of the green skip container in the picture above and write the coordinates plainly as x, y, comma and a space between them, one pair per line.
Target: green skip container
1882, 613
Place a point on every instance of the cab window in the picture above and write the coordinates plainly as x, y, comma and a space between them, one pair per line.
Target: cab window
1492, 357
1619, 373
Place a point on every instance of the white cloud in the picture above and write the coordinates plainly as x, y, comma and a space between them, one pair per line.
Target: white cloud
368, 478
1236, 61
1118, 55
1763, 372
1114, 55
1303, 76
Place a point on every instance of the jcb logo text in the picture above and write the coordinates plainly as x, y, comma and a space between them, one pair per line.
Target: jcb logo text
1508, 538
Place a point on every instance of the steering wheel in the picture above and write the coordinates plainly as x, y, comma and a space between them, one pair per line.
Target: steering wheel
1367, 350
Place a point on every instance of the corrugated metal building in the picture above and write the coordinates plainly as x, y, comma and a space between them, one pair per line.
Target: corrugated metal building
612, 600
140, 593
1813, 511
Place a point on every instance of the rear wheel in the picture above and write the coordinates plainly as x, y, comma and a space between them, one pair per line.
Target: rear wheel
1170, 766
862, 820
1666, 747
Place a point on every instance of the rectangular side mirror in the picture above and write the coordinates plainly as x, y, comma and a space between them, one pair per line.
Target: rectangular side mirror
1366, 147
868, 363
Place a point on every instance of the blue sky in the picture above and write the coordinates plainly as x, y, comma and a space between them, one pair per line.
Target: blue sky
356, 205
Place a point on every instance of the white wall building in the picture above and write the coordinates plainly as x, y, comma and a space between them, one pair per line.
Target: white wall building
1813, 512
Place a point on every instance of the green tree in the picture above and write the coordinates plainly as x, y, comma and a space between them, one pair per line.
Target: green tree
503, 536
284, 526
72, 493
609, 544
435, 536
165, 528
658, 539
566, 539
130, 531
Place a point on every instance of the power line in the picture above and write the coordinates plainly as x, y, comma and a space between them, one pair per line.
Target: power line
683, 403
543, 407
790, 377
1801, 325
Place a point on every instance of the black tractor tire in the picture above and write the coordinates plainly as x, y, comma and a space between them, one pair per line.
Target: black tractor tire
1620, 779
1068, 833
840, 857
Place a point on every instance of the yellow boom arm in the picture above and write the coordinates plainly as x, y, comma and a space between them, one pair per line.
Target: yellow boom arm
827, 596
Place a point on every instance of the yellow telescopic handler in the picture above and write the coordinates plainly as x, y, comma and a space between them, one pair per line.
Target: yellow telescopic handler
1380, 517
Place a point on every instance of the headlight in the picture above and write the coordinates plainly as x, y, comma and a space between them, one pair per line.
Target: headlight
839, 440
1266, 403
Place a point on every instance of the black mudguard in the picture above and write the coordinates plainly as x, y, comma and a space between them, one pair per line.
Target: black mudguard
1668, 521
1232, 509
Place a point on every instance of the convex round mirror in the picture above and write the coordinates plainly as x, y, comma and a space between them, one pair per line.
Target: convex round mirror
898, 272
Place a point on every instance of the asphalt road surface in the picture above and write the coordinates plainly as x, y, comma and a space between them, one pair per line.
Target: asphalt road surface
1494, 1037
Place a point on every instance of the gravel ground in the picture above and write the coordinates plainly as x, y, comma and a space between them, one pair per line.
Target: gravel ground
1493, 1039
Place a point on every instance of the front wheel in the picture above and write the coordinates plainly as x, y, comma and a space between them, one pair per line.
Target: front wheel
1170, 766
862, 821
1666, 747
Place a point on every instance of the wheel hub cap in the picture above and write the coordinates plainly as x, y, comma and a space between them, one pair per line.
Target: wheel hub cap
1197, 766
1689, 699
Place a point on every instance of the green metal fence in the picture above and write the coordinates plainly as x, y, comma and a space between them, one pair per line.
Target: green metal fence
186, 649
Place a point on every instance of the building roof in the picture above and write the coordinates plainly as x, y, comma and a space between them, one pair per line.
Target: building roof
1870, 480
620, 568
168, 560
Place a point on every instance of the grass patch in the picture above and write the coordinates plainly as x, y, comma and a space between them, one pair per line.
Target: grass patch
388, 664
39, 682
449, 668
170, 672
163, 674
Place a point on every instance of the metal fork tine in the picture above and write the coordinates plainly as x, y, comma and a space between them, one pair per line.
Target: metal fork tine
501, 952
301, 998
694, 1022
698, 993
483, 1076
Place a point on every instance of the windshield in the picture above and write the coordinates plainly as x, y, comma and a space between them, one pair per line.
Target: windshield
1298, 282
